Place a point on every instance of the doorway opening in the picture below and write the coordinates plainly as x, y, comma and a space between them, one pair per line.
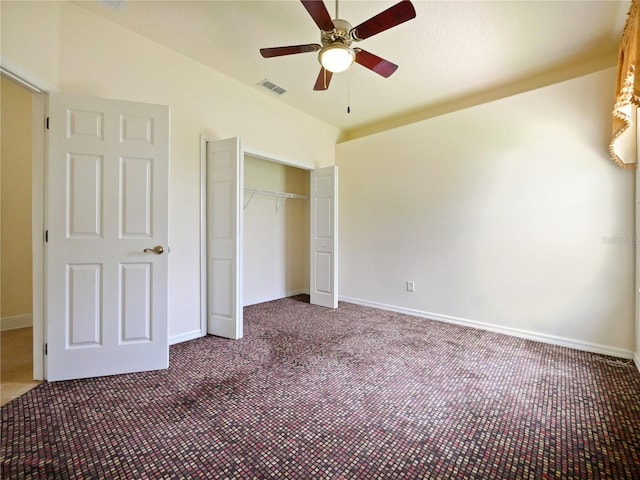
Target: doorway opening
16, 313
38, 88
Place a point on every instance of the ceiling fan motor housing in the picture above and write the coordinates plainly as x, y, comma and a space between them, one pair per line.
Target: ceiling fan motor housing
341, 33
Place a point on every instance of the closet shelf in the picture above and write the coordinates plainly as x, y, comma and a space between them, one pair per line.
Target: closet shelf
280, 196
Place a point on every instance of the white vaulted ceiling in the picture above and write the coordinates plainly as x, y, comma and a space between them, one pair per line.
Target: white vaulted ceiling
452, 55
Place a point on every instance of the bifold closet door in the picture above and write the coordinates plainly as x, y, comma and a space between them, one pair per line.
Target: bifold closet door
324, 237
224, 185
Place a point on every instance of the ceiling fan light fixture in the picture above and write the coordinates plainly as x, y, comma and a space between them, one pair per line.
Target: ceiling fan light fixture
336, 57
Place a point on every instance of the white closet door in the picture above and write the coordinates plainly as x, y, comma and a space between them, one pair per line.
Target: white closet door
224, 238
324, 237
107, 223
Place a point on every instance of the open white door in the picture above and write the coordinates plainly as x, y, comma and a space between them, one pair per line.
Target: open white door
324, 237
225, 181
106, 237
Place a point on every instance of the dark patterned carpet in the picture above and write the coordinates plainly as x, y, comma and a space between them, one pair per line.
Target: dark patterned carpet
355, 393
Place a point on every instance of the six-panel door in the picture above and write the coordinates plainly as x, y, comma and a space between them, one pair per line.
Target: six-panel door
107, 189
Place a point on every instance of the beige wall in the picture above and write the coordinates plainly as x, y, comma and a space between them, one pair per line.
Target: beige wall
276, 240
15, 171
30, 36
83, 54
508, 215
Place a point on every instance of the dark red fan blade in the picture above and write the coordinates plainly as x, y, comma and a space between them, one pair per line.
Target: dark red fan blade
399, 13
290, 50
324, 77
319, 13
375, 63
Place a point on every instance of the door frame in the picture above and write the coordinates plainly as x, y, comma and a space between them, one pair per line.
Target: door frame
637, 252
39, 89
204, 140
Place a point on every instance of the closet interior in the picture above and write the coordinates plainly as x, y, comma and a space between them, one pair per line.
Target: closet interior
276, 230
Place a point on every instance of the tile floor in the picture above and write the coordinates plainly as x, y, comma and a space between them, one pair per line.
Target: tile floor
16, 363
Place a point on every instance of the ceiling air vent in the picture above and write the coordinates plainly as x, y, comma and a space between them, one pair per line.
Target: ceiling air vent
115, 4
272, 86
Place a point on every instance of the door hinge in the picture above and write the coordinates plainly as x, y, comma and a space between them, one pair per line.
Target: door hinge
47, 123
46, 236
46, 348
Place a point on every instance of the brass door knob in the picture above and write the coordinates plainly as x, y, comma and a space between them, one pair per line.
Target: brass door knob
158, 250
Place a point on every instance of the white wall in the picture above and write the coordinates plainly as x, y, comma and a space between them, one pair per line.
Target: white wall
81, 53
276, 232
508, 215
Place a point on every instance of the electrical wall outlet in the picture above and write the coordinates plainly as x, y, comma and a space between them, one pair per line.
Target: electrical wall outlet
411, 286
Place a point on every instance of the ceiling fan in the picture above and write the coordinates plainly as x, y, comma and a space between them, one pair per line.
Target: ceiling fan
336, 36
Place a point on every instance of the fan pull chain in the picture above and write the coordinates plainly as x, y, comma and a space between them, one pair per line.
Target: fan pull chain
348, 92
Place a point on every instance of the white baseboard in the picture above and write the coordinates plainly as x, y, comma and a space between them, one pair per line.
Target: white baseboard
269, 298
16, 321
636, 360
185, 337
515, 332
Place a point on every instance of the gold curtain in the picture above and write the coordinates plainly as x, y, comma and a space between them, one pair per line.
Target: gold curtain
623, 146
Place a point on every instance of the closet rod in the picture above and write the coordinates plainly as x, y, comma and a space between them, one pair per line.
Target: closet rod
278, 195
